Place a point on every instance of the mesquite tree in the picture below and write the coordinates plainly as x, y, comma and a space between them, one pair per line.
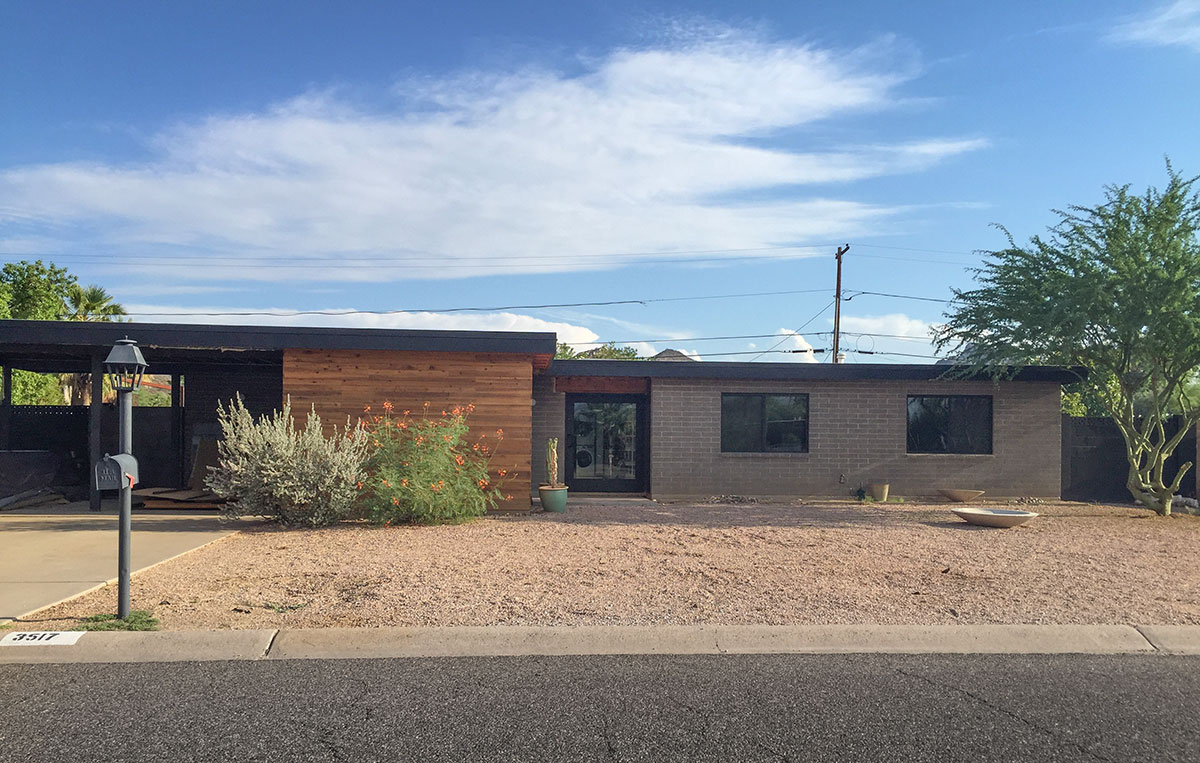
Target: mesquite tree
1115, 289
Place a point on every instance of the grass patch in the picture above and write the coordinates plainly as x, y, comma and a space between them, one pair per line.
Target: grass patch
138, 620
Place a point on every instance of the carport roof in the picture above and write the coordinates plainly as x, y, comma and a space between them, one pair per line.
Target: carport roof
64, 346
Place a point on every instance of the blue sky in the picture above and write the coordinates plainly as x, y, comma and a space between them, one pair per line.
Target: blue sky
230, 157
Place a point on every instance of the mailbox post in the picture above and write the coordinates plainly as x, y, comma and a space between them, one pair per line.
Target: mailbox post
125, 367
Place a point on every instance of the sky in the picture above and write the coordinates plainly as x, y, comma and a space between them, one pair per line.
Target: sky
693, 165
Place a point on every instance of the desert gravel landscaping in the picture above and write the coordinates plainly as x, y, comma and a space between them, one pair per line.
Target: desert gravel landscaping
644, 563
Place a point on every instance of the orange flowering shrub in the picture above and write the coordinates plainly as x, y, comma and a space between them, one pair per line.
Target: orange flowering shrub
423, 469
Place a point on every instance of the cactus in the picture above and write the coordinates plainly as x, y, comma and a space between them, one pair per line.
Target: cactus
552, 461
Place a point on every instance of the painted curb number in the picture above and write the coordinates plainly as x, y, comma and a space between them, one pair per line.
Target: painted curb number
41, 638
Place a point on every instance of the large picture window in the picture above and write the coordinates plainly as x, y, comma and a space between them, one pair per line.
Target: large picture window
764, 423
949, 424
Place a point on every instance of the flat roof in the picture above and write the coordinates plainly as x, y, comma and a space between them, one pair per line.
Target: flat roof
53, 345
798, 371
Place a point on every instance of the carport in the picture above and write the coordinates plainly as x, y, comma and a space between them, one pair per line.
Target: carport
211, 364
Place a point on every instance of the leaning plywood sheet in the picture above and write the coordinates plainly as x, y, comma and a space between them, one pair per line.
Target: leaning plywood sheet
206, 456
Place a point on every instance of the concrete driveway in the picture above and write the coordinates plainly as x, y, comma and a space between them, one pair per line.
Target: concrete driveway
47, 555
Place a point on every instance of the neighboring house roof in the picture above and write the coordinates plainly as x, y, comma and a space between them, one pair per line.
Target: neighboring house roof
798, 371
672, 355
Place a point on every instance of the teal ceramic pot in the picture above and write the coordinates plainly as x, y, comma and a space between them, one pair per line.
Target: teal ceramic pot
553, 498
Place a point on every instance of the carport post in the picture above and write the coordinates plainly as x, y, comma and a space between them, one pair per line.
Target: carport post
6, 411
177, 428
94, 410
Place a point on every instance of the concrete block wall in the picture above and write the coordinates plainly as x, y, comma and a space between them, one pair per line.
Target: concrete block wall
857, 432
549, 420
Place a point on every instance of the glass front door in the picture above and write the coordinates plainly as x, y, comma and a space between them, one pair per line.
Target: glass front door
606, 444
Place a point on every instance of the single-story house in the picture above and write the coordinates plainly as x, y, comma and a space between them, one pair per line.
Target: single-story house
668, 430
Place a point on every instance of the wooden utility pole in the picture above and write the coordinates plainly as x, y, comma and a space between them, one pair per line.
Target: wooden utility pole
837, 302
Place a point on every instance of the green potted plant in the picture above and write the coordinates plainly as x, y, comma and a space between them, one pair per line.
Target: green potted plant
553, 494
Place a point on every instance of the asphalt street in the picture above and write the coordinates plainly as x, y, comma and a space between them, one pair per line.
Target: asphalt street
611, 708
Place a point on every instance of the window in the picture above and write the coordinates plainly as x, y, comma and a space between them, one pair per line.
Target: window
949, 424
764, 423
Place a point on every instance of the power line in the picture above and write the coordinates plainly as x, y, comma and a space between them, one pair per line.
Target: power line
289, 314
681, 339
797, 331
441, 260
436, 264
899, 354
897, 296
691, 339
441, 256
424, 260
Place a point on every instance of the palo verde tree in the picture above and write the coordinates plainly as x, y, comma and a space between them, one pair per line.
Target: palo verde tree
1115, 289
606, 351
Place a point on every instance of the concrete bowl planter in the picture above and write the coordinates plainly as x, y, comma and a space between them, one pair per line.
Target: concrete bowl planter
994, 517
958, 495
553, 498
878, 491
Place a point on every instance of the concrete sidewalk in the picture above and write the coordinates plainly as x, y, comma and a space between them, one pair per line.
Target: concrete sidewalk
47, 556
361, 643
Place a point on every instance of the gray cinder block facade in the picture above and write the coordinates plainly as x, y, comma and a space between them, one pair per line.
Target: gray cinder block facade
857, 429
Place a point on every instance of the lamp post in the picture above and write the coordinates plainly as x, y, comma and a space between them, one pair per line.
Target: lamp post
125, 366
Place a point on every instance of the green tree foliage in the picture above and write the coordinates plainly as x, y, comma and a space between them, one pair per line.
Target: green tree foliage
45, 292
36, 291
606, 351
90, 303
87, 303
1115, 289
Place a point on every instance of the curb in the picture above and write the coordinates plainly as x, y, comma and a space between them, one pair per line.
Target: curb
151, 646
514, 641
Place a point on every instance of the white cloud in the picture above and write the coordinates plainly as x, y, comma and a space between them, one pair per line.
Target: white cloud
886, 335
566, 332
479, 174
892, 323
1176, 23
794, 348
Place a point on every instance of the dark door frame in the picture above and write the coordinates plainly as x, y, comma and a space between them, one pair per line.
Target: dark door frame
641, 445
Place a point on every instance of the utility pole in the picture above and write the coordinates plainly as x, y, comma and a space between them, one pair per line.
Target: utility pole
837, 302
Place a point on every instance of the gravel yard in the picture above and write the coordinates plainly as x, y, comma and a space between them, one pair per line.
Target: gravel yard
644, 563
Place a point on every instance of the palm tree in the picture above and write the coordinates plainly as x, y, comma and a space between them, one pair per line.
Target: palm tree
86, 303
91, 303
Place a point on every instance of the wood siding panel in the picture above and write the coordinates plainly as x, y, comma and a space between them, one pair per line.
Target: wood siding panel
341, 382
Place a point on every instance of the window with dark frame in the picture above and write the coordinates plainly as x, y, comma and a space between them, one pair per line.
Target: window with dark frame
960, 424
753, 423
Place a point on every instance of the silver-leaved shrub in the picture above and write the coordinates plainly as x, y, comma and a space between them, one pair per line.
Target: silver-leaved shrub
270, 468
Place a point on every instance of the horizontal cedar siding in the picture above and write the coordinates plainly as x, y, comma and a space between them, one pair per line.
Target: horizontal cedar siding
341, 382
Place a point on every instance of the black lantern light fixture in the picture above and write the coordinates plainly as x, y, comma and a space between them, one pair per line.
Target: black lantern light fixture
125, 365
